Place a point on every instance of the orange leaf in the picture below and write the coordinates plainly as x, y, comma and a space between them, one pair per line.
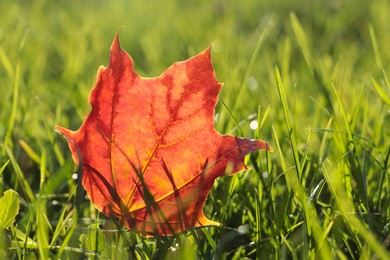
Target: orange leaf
149, 150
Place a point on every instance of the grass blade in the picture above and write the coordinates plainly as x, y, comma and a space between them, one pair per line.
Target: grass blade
25, 184
375, 46
381, 92
290, 130
313, 227
313, 67
356, 169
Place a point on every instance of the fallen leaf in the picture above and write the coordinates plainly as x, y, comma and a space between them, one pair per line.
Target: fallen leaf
149, 150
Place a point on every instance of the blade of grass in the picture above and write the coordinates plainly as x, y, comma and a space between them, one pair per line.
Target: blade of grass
30, 152
263, 188
25, 184
3, 167
313, 67
302, 41
232, 117
386, 79
25, 238
43, 172
56, 148
382, 178
69, 234
15, 93
381, 92
293, 180
357, 110
288, 123
6, 63
249, 66
42, 221
345, 205
209, 238
145, 253
60, 226
375, 47
356, 169
42, 224
225, 207
14, 107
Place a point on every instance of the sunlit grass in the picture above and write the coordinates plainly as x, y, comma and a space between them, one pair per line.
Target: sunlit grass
311, 79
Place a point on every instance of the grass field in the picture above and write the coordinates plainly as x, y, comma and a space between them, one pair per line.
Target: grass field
310, 77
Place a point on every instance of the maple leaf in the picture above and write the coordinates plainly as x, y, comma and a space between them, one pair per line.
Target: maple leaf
149, 150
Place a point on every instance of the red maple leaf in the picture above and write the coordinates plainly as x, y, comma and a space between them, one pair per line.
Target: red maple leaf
149, 150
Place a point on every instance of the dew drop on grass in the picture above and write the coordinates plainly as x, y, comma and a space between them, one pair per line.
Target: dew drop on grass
174, 247
252, 83
74, 176
243, 229
254, 124
216, 117
386, 228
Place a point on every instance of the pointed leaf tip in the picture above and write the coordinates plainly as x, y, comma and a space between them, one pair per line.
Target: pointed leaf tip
70, 138
119, 59
115, 43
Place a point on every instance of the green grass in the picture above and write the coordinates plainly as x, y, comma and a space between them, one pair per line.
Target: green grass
313, 75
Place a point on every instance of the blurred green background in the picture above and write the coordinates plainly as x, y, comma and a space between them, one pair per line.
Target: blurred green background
50, 52
61, 44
